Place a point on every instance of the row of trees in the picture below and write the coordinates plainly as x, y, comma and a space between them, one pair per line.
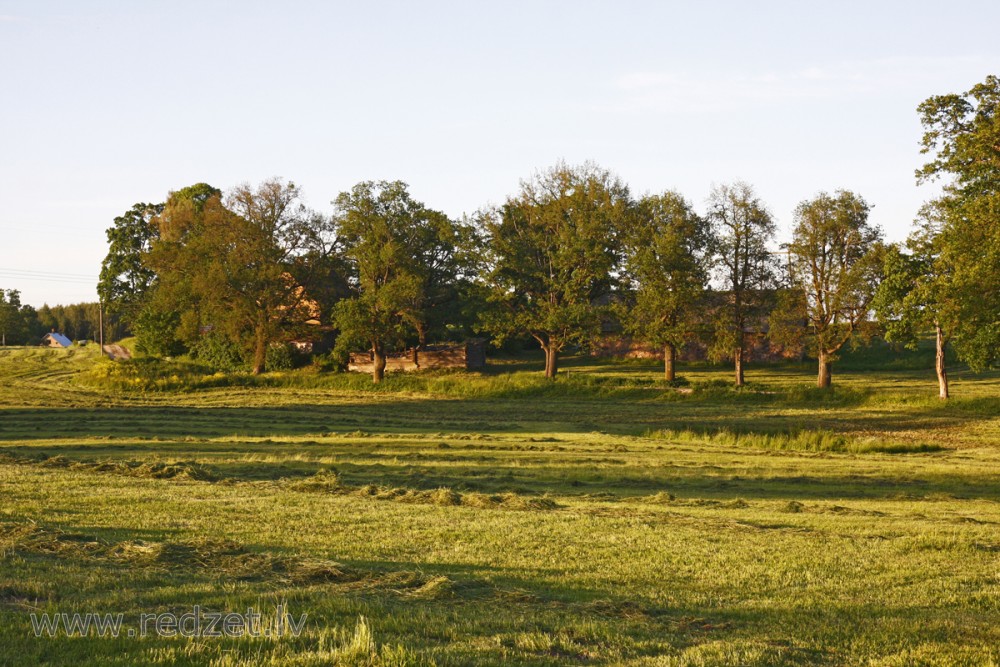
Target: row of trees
572, 250
573, 239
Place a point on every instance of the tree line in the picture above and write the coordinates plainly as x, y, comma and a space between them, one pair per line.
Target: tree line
232, 275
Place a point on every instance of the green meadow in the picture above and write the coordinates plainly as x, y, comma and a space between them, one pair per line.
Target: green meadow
605, 518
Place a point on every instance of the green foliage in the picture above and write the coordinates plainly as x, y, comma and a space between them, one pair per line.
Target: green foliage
835, 262
962, 135
742, 229
961, 242
156, 332
245, 265
12, 322
125, 278
448, 263
219, 352
281, 357
551, 253
407, 268
900, 303
667, 259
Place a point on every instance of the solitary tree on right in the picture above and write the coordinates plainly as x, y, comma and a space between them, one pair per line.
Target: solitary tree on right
918, 294
948, 278
834, 262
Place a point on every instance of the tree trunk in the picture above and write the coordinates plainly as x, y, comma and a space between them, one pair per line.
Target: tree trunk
738, 354
551, 361
942, 373
259, 351
378, 367
824, 378
669, 362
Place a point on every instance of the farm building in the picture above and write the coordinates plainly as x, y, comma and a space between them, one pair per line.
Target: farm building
758, 348
614, 343
55, 340
469, 355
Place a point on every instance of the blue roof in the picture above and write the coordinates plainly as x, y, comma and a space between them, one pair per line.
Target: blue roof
59, 338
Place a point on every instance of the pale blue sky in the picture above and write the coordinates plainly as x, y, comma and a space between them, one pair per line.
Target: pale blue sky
108, 103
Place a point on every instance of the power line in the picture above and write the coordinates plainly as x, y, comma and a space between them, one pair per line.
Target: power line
65, 274
47, 276
47, 280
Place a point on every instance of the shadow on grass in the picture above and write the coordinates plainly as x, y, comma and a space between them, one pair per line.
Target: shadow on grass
572, 407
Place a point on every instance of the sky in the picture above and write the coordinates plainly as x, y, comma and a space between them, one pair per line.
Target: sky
105, 104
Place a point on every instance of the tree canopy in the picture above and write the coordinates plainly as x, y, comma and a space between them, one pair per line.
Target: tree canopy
743, 230
402, 264
961, 243
668, 255
552, 249
125, 278
12, 324
240, 266
834, 262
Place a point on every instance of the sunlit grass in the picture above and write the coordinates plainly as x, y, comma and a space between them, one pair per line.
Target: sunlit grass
497, 518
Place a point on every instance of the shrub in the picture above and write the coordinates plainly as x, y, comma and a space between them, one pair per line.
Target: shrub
281, 357
219, 352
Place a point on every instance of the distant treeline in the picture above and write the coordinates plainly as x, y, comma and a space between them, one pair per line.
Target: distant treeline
22, 324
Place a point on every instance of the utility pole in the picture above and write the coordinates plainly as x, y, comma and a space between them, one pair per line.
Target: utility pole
100, 317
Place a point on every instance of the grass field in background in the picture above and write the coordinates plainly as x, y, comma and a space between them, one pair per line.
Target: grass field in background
496, 518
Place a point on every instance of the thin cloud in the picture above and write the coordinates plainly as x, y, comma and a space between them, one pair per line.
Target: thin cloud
703, 92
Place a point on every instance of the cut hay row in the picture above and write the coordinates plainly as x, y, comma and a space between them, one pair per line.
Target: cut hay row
324, 481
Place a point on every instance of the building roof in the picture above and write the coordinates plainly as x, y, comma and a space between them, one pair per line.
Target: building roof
59, 338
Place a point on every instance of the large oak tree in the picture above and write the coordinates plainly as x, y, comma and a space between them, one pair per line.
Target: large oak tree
552, 250
243, 266
403, 266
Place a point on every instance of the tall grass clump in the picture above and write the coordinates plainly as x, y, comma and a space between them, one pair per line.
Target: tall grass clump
360, 649
807, 440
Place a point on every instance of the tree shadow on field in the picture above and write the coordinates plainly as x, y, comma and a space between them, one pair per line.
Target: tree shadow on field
616, 483
474, 416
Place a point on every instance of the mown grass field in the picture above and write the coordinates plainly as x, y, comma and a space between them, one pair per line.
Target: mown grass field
459, 519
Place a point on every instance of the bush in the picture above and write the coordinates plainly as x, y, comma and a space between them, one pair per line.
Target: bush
156, 333
282, 357
219, 352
